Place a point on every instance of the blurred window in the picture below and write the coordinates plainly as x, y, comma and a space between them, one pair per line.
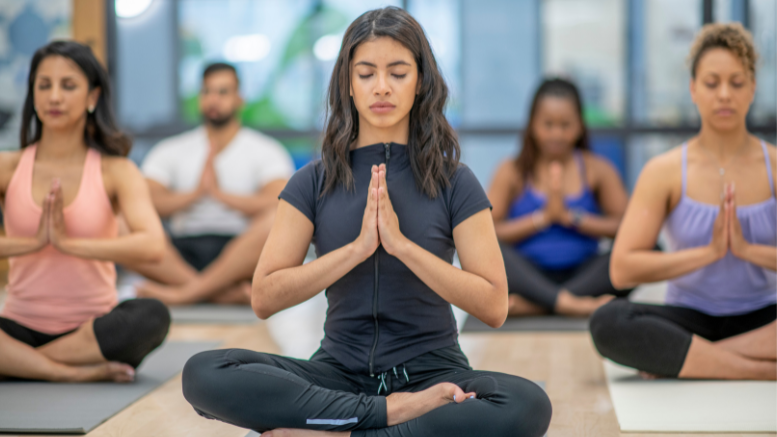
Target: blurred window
584, 40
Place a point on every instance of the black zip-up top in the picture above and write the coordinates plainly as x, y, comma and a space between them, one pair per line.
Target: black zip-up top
380, 314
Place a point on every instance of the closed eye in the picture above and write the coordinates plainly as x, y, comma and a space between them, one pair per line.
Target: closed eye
399, 76
365, 76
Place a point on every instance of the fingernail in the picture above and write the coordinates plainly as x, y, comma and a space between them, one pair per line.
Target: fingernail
472, 397
454, 397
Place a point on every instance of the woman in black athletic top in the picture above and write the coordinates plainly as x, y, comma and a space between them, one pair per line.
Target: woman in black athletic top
386, 207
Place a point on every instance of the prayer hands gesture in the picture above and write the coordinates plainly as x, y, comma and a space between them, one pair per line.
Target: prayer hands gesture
51, 228
380, 224
727, 229
555, 209
208, 181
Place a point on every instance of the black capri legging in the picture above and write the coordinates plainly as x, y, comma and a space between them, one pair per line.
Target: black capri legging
127, 334
656, 338
264, 392
540, 286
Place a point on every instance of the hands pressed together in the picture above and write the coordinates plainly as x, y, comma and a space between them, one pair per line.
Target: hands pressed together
51, 228
555, 211
380, 224
727, 230
208, 181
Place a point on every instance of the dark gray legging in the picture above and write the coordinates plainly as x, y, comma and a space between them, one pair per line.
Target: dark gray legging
541, 286
656, 338
262, 392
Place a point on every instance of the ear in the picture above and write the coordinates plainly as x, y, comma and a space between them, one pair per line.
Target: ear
93, 97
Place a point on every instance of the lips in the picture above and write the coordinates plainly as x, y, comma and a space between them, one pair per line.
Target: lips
382, 107
725, 112
54, 113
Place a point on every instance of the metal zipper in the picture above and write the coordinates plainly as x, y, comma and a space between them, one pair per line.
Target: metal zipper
375, 289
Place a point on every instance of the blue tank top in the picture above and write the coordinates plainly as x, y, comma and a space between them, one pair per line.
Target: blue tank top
729, 286
557, 247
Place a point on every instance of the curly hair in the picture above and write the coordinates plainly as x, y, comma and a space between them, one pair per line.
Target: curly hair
433, 147
730, 36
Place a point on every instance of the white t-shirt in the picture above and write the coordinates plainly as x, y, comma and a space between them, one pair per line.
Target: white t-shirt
249, 162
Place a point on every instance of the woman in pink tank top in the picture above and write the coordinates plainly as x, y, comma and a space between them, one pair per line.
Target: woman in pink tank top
719, 317
61, 195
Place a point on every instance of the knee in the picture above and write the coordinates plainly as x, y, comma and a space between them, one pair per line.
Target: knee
529, 409
198, 371
153, 320
606, 325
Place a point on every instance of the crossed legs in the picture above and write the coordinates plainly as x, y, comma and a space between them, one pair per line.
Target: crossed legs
225, 280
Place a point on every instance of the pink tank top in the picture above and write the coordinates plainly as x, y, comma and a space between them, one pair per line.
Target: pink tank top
49, 291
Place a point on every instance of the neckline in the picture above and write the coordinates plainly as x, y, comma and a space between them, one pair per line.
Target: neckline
717, 207
67, 207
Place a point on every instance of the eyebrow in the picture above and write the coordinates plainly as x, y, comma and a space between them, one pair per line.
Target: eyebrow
369, 64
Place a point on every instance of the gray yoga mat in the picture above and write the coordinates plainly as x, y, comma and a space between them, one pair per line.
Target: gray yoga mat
256, 434
213, 314
57, 408
531, 324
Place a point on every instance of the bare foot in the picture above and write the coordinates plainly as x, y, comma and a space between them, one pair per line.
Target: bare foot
518, 306
579, 306
110, 371
286, 432
403, 407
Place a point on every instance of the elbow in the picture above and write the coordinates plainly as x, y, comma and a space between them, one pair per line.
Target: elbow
497, 316
259, 304
619, 275
155, 252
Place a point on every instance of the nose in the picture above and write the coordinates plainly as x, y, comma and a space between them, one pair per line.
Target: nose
724, 92
56, 93
381, 86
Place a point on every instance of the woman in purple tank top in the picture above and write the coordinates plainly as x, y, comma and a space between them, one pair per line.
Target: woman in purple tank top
550, 207
714, 196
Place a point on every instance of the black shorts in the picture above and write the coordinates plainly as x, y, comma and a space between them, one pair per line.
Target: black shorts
127, 334
201, 250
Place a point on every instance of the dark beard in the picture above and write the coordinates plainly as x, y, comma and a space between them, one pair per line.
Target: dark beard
220, 122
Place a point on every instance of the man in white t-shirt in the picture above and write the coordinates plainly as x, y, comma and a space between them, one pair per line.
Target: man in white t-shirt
218, 185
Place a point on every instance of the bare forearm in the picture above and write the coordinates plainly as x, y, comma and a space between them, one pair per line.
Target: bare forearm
761, 255
134, 248
470, 292
513, 231
18, 246
248, 205
644, 266
167, 204
276, 291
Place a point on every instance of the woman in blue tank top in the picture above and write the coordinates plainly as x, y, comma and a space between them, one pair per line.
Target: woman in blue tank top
714, 196
550, 207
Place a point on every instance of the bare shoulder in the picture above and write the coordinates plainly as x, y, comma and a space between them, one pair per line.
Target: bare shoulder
119, 172
772, 151
599, 165
8, 162
662, 174
507, 174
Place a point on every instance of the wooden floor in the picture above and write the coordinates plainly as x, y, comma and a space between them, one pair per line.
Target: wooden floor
567, 363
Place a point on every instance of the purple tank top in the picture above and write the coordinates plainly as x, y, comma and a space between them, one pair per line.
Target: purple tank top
729, 286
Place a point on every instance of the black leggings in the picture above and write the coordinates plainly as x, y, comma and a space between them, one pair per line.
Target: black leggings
127, 334
656, 338
264, 392
540, 286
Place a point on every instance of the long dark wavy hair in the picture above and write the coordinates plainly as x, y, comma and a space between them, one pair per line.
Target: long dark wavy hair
433, 148
100, 132
554, 87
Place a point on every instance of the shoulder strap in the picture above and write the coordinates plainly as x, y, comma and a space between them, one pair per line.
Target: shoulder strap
581, 166
685, 167
768, 167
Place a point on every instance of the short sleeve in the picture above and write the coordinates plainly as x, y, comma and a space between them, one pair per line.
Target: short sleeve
302, 190
158, 164
274, 163
467, 196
